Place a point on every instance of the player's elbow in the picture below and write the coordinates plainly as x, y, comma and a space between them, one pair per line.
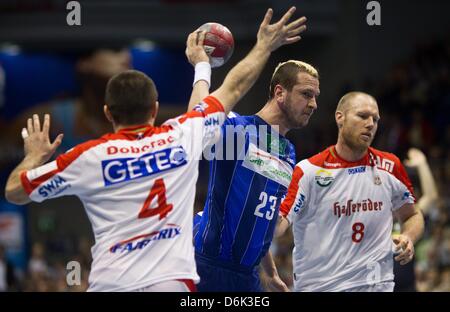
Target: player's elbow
434, 198
9, 195
13, 196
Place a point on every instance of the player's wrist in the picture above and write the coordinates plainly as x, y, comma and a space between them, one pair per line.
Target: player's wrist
33, 159
408, 238
202, 72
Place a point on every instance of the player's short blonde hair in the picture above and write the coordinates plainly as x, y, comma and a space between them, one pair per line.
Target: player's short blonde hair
285, 74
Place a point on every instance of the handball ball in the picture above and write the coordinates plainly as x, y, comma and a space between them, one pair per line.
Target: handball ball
219, 43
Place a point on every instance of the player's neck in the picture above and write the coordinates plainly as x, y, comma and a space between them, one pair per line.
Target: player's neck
347, 153
117, 128
274, 118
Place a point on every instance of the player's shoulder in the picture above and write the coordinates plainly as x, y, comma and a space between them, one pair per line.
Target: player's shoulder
323, 159
77, 151
233, 115
384, 155
208, 106
309, 165
390, 163
236, 119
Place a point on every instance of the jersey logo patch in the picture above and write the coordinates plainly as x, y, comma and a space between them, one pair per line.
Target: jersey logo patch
267, 165
53, 187
300, 202
356, 170
144, 239
119, 170
351, 207
323, 178
385, 164
200, 107
406, 195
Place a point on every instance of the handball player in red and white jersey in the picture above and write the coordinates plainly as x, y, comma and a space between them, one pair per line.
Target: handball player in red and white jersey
341, 203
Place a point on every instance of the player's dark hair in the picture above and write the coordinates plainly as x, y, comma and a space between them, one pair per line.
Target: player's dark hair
131, 97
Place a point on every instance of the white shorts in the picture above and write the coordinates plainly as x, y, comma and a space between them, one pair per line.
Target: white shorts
378, 287
170, 286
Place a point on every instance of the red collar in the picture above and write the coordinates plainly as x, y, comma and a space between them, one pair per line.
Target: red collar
363, 161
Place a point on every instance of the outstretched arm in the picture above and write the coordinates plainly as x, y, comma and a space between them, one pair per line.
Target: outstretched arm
269, 38
416, 159
38, 150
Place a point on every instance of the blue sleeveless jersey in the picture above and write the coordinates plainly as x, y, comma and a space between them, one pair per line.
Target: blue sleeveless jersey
244, 194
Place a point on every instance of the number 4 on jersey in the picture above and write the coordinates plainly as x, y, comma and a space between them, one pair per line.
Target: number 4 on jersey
158, 189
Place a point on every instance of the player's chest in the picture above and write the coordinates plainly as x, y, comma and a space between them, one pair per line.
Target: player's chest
342, 196
359, 185
266, 166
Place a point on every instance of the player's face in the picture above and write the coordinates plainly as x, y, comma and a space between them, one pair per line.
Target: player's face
300, 102
360, 123
106, 63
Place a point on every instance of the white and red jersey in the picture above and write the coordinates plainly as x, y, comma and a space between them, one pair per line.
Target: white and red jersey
138, 189
341, 214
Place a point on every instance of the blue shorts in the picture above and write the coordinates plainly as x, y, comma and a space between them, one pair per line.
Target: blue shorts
216, 278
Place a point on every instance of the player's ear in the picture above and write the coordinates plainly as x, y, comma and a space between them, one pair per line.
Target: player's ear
108, 114
155, 111
279, 94
340, 117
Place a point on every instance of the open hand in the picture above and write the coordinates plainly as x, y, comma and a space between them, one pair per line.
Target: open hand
275, 35
37, 141
415, 158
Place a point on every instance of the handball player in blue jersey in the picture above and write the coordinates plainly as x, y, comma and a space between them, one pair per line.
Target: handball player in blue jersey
249, 174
